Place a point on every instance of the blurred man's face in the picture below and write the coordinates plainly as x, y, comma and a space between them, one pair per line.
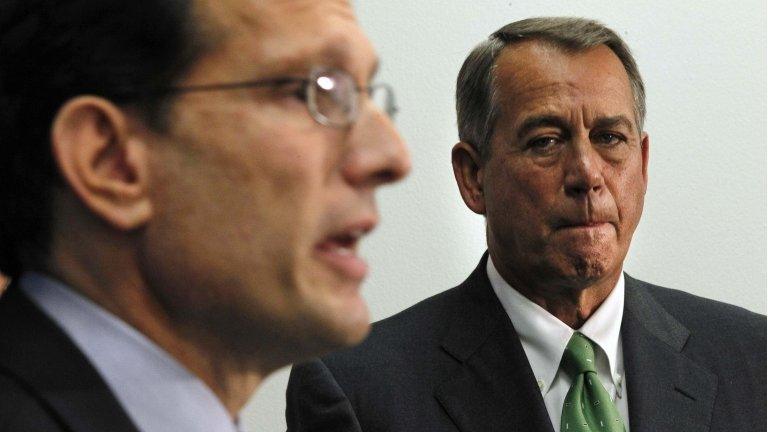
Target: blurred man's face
565, 182
259, 209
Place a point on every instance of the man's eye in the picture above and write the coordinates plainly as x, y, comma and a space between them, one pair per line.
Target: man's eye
291, 89
296, 90
608, 139
300, 93
543, 144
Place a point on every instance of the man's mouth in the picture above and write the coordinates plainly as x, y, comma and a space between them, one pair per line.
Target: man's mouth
588, 224
339, 250
585, 227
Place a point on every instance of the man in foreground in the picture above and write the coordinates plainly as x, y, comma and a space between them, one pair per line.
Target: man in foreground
548, 333
184, 186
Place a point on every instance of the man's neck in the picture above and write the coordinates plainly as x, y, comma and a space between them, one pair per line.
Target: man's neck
573, 309
572, 301
129, 299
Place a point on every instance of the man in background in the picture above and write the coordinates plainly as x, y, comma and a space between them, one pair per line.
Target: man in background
548, 333
184, 187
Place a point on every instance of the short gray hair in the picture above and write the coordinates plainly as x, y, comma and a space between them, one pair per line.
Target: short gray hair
476, 106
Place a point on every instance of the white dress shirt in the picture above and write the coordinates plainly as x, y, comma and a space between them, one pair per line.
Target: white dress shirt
157, 392
545, 337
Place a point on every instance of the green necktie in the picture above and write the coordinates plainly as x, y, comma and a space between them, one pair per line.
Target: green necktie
587, 406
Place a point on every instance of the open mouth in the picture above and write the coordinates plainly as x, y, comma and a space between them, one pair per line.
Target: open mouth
339, 251
343, 244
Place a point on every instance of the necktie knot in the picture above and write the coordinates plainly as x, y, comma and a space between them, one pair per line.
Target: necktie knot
579, 356
587, 406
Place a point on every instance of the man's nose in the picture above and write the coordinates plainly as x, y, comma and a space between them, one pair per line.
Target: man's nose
583, 168
378, 155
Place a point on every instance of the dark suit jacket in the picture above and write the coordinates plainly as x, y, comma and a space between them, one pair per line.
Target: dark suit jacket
46, 383
454, 363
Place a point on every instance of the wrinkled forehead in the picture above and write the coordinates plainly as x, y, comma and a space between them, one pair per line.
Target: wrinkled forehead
532, 75
533, 63
286, 34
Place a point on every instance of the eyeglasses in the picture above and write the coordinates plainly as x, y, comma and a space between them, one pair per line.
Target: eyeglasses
331, 95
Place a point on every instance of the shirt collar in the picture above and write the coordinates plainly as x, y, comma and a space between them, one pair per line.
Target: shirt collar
604, 326
156, 391
544, 337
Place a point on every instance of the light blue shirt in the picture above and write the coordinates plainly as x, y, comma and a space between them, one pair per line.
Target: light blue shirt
544, 338
156, 391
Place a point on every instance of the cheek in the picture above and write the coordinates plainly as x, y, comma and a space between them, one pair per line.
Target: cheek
241, 188
520, 196
535, 190
629, 192
277, 166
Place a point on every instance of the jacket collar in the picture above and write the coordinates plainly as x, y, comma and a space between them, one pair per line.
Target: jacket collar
667, 390
35, 352
494, 387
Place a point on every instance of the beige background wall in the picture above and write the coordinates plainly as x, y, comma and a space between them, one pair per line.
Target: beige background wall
704, 226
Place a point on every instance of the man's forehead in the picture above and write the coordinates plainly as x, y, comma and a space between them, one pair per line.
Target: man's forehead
272, 16
539, 76
537, 62
286, 34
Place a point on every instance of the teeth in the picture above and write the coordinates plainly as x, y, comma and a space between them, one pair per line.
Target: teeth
344, 251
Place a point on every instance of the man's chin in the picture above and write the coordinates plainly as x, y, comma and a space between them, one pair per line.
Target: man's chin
325, 336
584, 269
341, 323
352, 323
353, 335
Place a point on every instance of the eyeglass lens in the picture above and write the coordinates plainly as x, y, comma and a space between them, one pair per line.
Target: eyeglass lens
334, 97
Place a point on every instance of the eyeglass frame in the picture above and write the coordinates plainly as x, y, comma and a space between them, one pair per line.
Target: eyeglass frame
307, 88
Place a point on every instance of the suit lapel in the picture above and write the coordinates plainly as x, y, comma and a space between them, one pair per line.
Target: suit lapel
494, 388
667, 391
39, 355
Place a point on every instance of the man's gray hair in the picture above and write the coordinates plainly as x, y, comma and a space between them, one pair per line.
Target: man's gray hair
476, 104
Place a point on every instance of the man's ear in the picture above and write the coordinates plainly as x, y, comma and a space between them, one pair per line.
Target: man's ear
645, 144
468, 171
102, 162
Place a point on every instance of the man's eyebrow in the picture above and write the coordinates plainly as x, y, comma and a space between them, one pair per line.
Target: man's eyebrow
610, 122
331, 55
538, 121
558, 122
